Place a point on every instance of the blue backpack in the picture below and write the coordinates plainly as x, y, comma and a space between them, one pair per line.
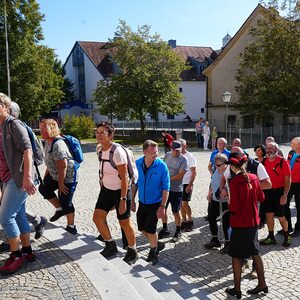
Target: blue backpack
73, 146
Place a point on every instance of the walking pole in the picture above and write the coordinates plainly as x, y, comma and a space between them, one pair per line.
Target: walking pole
222, 213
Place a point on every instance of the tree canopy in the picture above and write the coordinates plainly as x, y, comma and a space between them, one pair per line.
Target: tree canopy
269, 73
35, 85
144, 78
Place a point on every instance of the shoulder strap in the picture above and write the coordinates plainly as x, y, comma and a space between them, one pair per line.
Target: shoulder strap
281, 163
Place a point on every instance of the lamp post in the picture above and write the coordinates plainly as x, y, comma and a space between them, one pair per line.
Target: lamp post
6, 47
226, 100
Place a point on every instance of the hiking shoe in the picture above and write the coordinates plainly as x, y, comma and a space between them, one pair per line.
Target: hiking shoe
287, 241
213, 244
39, 228
4, 247
110, 249
152, 257
160, 246
183, 225
30, 257
58, 214
12, 264
131, 256
164, 233
176, 237
225, 249
268, 241
71, 230
189, 226
100, 238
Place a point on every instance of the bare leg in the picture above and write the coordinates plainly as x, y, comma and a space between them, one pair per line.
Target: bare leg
99, 219
129, 231
259, 267
237, 272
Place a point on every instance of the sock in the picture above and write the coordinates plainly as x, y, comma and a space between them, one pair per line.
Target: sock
132, 247
214, 238
286, 234
178, 229
271, 234
72, 226
110, 240
58, 209
17, 253
27, 250
165, 226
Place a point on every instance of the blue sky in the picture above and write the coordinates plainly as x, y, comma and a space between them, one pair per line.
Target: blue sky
190, 22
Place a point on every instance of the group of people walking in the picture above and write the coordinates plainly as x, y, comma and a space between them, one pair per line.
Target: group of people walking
244, 193
203, 134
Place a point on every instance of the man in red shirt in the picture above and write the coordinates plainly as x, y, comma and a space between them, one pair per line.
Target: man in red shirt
276, 198
168, 139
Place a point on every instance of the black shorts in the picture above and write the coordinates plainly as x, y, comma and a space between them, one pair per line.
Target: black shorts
186, 196
243, 242
175, 200
109, 198
147, 218
48, 188
272, 202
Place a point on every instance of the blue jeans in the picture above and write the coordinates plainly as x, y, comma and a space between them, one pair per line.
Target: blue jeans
12, 210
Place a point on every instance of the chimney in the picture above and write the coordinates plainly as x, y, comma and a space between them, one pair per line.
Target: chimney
172, 43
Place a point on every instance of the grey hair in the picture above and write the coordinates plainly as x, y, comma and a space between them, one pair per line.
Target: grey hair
183, 141
14, 109
221, 156
5, 100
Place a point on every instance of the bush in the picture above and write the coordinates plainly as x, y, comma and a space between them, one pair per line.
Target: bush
81, 127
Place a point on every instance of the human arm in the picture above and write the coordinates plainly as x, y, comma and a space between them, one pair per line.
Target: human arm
287, 185
189, 187
62, 166
133, 193
209, 167
123, 173
178, 176
28, 184
162, 208
265, 184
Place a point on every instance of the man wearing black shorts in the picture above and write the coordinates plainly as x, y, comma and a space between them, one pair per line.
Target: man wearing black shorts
177, 165
153, 189
276, 198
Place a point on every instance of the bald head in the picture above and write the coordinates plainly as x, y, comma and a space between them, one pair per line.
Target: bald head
295, 144
237, 150
236, 142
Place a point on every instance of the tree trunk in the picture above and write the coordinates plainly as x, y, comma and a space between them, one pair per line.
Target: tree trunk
142, 122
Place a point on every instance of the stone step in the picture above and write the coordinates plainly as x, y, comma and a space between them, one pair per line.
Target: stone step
83, 249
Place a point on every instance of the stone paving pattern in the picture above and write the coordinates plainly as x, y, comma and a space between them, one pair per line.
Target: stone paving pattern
210, 270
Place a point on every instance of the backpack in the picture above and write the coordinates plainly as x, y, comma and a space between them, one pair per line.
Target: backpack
277, 165
131, 167
73, 146
37, 148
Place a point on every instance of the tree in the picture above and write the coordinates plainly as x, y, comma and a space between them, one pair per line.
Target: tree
268, 76
144, 81
34, 84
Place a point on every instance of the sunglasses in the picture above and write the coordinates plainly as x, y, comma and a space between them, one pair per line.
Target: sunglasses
219, 165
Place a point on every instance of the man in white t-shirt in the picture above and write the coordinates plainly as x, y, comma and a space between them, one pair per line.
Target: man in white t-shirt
188, 183
114, 193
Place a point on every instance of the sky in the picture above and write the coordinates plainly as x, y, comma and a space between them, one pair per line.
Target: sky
189, 22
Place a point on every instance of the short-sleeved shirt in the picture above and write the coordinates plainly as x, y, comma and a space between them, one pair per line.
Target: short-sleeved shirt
276, 172
175, 164
215, 152
60, 152
191, 163
4, 170
261, 172
215, 184
110, 176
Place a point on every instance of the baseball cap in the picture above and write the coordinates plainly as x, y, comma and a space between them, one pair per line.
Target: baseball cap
176, 145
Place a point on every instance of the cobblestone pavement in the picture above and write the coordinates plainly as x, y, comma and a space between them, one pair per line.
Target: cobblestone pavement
52, 276
210, 270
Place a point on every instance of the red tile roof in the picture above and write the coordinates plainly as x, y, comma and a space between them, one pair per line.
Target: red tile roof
100, 54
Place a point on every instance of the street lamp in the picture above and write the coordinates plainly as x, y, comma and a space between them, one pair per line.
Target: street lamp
7, 51
226, 100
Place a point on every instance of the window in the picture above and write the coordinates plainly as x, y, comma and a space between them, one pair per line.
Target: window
202, 110
180, 90
248, 121
170, 117
232, 120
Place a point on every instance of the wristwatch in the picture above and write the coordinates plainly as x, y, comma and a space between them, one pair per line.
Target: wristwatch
163, 205
123, 198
